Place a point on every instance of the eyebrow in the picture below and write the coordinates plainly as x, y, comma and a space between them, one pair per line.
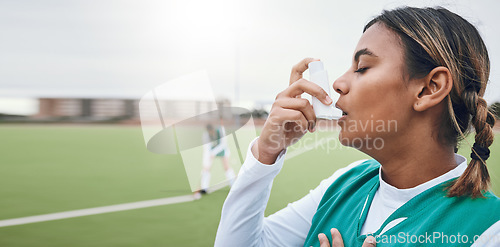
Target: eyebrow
364, 51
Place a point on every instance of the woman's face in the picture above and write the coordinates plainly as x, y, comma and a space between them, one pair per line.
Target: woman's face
373, 92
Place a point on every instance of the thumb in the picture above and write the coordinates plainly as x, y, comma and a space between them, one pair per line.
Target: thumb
370, 241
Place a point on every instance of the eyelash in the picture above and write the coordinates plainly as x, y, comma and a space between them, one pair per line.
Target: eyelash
360, 70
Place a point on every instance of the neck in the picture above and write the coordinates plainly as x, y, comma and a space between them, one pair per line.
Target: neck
411, 163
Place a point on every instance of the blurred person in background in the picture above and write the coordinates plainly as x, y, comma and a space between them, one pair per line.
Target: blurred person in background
215, 146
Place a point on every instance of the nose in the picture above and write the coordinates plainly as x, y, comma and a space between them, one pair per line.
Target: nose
341, 85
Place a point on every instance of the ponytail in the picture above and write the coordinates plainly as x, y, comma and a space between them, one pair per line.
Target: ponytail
476, 179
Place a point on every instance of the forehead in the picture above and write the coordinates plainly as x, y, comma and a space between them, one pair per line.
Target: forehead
382, 42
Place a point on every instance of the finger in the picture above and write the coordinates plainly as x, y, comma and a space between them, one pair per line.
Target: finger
370, 241
299, 69
301, 105
323, 240
287, 116
305, 86
337, 240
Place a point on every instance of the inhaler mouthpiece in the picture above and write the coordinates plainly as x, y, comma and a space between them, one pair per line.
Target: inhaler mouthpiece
319, 76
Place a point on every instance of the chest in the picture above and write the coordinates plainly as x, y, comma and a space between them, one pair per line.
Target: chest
430, 218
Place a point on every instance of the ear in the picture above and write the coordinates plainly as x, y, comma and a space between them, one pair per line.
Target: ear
433, 88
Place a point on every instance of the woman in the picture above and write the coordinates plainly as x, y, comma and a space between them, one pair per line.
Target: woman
425, 69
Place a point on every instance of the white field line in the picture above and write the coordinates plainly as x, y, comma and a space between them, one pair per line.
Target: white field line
97, 210
134, 205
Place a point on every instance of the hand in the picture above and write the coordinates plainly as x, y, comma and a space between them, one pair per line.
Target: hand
290, 116
338, 242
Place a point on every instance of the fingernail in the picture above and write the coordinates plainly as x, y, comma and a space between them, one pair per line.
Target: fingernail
328, 99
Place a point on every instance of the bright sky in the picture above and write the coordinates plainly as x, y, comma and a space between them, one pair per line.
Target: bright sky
123, 47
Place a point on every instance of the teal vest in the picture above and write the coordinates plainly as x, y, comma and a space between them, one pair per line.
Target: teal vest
218, 136
433, 219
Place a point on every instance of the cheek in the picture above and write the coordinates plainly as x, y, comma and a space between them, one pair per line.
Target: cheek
384, 91
393, 112
381, 104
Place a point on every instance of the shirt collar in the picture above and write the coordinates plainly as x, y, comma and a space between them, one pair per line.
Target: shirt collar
394, 197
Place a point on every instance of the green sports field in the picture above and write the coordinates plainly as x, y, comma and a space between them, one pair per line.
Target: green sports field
49, 169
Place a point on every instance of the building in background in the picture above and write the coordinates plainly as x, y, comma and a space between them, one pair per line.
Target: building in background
86, 106
102, 109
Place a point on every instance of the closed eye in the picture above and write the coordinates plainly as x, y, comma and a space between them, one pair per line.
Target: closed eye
360, 70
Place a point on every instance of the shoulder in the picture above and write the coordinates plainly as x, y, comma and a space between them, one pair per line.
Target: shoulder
361, 170
357, 167
354, 165
481, 212
489, 204
364, 166
491, 196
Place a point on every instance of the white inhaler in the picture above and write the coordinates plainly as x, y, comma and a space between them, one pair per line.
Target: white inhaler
319, 76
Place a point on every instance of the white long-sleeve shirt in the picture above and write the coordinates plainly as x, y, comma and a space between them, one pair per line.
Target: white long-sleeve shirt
243, 223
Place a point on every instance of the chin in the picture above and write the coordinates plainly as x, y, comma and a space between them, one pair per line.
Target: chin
345, 138
360, 140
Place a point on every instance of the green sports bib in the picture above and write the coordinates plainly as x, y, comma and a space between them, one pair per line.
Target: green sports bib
429, 219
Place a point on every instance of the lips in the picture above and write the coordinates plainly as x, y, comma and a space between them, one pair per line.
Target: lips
344, 113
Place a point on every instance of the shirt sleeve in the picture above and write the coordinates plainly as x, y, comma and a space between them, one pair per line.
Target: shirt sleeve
242, 221
490, 237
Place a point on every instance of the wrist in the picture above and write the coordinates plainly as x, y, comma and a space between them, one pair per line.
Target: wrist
262, 154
